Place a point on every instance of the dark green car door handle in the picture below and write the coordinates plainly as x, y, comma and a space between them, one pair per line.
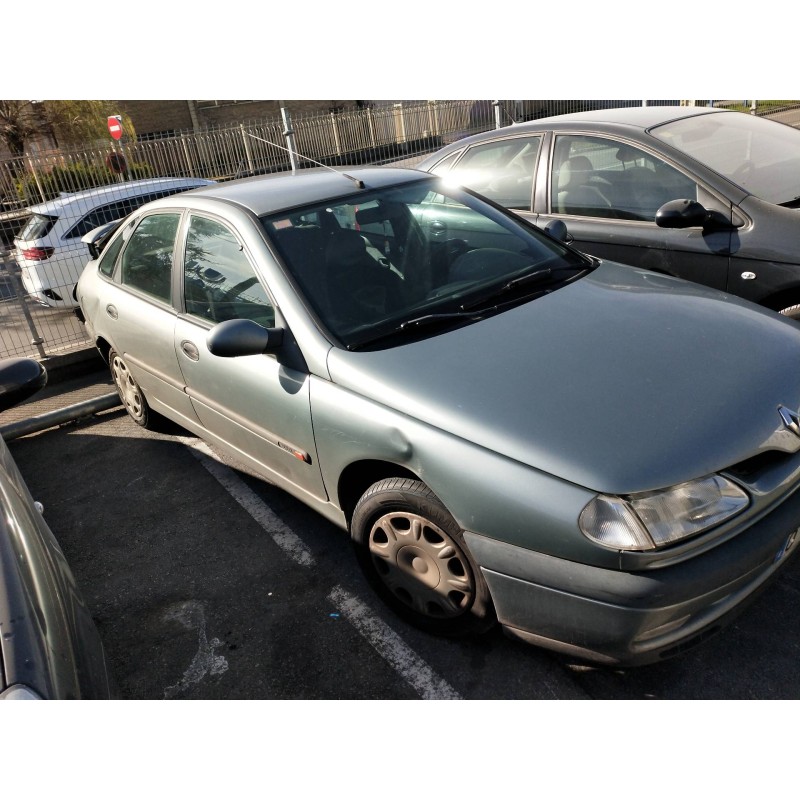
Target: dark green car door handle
190, 350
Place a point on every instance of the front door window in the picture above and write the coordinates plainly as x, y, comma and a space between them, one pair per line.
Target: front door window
597, 177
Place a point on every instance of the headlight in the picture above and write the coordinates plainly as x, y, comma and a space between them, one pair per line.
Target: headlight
654, 519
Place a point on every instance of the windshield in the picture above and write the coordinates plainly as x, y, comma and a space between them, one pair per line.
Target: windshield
376, 261
760, 155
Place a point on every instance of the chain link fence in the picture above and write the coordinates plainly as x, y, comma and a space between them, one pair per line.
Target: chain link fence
380, 134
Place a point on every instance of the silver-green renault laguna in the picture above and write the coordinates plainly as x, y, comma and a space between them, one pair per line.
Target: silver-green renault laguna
602, 459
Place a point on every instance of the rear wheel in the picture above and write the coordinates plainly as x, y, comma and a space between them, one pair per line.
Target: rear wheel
129, 392
412, 552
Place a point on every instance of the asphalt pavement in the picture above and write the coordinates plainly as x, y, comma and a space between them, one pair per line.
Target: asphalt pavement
209, 583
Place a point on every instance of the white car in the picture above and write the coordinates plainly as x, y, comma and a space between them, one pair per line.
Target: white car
49, 250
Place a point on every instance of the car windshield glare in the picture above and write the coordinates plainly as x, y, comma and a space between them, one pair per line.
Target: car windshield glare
375, 259
757, 154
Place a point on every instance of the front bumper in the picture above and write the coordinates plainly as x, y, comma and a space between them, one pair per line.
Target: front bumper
631, 618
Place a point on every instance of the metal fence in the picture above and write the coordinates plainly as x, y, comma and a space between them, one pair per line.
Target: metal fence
384, 133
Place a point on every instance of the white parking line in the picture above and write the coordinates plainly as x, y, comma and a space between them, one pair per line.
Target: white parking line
392, 648
285, 538
385, 641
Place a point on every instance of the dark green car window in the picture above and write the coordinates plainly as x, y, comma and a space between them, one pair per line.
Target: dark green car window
219, 283
109, 257
146, 263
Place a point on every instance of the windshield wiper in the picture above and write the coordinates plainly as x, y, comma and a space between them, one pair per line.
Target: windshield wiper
429, 319
409, 326
537, 276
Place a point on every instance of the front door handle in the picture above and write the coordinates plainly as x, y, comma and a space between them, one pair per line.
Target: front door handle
190, 350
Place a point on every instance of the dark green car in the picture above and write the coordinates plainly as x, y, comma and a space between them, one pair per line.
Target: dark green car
602, 459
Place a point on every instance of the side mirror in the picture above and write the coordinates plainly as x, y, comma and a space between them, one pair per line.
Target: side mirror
681, 214
97, 238
691, 214
243, 337
19, 379
557, 229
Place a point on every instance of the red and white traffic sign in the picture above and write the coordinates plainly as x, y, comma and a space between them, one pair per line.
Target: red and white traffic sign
115, 127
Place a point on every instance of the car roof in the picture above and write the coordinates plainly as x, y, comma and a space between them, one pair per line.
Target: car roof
266, 194
114, 191
640, 118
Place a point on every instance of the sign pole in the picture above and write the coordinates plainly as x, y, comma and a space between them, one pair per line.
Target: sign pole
116, 130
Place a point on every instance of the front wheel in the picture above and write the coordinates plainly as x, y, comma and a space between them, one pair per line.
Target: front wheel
413, 554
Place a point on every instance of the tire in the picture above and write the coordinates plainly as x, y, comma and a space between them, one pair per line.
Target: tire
413, 554
129, 392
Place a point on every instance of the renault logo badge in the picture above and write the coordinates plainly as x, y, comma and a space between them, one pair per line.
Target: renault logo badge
791, 420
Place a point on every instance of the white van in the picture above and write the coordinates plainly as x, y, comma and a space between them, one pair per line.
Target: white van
49, 250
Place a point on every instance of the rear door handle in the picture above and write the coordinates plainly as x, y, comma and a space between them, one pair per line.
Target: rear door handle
112, 311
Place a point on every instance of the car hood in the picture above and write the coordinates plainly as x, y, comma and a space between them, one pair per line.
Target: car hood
623, 381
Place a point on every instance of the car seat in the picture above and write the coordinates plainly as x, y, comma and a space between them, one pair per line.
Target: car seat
577, 193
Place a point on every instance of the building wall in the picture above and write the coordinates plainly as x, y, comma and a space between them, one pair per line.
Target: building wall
151, 117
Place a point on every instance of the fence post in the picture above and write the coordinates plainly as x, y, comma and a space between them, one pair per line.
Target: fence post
248, 152
498, 117
336, 140
753, 106
371, 126
433, 106
288, 134
399, 124
36, 180
187, 155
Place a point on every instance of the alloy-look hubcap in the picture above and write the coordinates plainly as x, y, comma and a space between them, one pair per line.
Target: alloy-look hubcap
421, 565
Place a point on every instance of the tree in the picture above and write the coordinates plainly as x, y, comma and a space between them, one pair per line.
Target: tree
19, 122
70, 123
80, 122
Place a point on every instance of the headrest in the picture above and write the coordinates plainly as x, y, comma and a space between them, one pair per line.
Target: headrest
345, 246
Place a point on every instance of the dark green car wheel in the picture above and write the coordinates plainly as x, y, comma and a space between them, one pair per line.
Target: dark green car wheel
412, 552
129, 392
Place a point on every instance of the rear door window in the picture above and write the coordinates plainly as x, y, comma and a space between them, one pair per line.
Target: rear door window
501, 170
146, 263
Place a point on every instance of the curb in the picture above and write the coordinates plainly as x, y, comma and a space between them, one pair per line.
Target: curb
72, 365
